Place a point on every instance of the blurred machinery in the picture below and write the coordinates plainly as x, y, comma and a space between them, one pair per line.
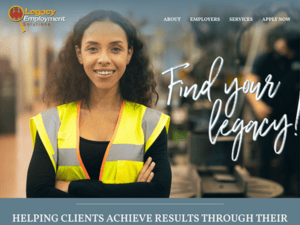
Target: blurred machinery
219, 176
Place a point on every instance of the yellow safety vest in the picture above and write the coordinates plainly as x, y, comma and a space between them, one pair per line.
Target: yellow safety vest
137, 128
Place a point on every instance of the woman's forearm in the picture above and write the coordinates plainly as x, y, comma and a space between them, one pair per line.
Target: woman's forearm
46, 192
92, 188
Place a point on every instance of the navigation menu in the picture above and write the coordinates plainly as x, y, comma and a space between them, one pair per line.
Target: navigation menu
240, 19
204, 19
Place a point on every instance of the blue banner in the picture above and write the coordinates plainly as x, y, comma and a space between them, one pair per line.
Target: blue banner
150, 211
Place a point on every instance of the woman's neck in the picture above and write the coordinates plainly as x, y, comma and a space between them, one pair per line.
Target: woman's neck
105, 100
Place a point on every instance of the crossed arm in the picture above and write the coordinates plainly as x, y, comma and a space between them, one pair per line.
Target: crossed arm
145, 175
154, 180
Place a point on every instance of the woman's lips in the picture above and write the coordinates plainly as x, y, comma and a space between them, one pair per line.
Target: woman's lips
104, 73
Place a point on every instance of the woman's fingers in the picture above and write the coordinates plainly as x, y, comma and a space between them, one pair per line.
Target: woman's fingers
143, 170
146, 171
146, 165
150, 177
62, 185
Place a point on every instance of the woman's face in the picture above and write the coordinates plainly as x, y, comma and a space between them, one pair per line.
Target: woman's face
104, 54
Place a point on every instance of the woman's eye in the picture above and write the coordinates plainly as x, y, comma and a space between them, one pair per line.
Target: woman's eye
116, 49
92, 49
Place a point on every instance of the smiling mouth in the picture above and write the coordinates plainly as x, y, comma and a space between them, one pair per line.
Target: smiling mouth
104, 73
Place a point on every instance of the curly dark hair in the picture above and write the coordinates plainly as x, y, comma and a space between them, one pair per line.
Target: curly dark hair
67, 81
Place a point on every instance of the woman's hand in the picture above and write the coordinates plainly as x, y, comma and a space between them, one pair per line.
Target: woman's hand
146, 173
62, 185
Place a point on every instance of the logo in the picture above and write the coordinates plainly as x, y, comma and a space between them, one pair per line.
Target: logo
16, 14
35, 16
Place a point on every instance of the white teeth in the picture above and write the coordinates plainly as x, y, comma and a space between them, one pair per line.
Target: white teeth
104, 72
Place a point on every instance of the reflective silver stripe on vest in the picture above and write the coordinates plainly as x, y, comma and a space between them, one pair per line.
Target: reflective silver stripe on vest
148, 128
67, 157
51, 122
126, 152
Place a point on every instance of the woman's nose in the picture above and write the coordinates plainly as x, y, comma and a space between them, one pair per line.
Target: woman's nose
103, 58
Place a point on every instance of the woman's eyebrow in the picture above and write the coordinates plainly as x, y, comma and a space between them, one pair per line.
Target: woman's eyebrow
116, 42
96, 43
92, 42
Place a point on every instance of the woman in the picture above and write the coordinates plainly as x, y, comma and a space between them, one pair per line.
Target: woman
102, 140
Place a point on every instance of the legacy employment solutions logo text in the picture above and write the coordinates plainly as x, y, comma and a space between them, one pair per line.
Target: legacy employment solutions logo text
33, 17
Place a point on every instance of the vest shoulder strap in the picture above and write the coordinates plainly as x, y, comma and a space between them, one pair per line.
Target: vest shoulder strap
146, 125
47, 124
153, 123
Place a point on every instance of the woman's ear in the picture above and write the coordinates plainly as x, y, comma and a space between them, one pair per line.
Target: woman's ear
78, 53
129, 55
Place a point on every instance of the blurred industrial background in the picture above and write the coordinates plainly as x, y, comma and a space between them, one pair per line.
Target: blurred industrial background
199, 168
